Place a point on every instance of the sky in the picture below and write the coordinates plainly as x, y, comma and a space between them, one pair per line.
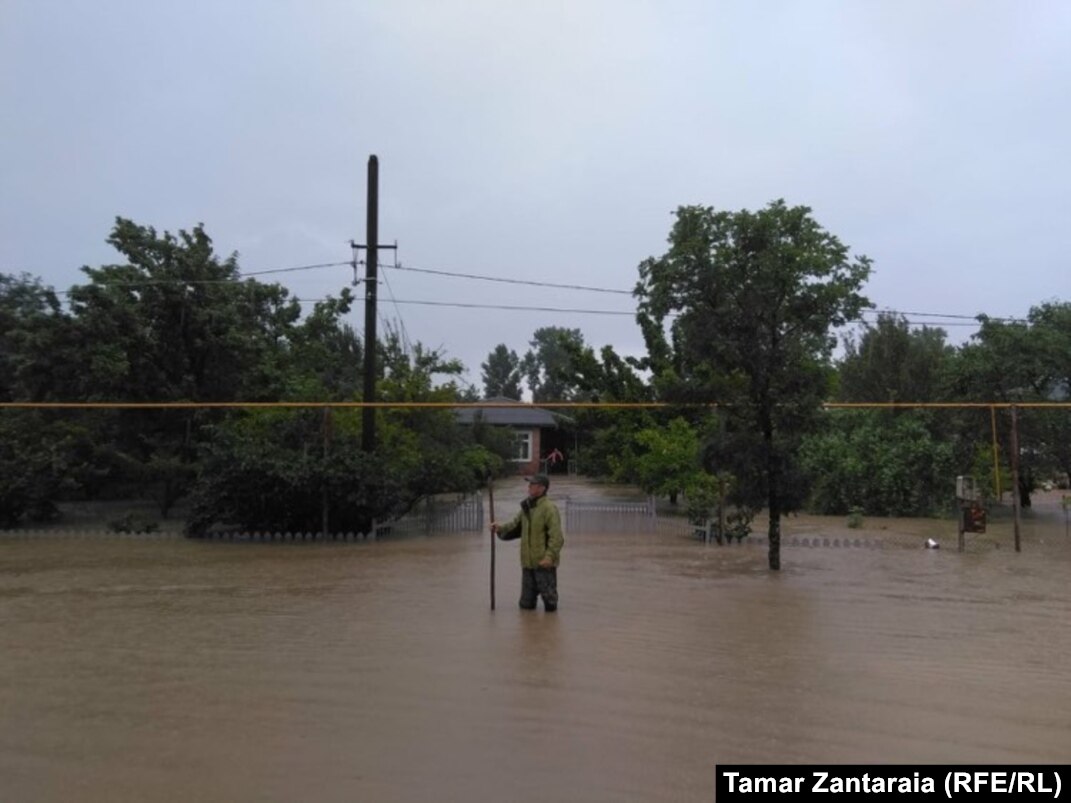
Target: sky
543, 142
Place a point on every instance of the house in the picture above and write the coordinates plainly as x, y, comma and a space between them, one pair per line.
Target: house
536, 432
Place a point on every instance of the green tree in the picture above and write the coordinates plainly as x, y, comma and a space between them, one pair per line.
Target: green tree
35, 340
322, 357
175, 322
890, 362
883, 465
172, 322
603, 434
548, 365
662, 460
605, 376
1052, 320
1015, 362
281, 469
430, 437
502, 373
43, 455
750, 299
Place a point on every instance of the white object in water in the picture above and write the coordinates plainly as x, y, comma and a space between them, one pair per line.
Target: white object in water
931, 544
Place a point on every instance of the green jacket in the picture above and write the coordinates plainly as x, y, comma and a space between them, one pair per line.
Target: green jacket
539, 526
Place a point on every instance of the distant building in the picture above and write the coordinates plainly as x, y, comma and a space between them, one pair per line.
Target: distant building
536, 432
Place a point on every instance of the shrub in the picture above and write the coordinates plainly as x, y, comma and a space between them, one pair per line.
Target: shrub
131, 522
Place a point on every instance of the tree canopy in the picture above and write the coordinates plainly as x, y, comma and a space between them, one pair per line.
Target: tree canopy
172, 321
891, 362
1019, 362
548, 365
750, 300
502, 373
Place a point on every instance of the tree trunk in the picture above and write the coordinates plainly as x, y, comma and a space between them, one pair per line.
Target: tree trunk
167, 498
1024, 495
774, 531
721, 505
773, 496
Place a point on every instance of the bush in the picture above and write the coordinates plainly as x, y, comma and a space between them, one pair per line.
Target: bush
855, 517
37, 465
131, 522
269, 471
885, 465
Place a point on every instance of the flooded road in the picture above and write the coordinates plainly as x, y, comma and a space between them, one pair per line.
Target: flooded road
140, 669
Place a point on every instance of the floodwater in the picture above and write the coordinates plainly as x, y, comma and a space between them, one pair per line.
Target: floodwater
136, 669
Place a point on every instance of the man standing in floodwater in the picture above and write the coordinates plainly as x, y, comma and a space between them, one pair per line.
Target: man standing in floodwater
539, 526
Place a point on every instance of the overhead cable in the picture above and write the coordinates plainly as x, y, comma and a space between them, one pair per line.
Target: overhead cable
593, 289
504, 280
527, 282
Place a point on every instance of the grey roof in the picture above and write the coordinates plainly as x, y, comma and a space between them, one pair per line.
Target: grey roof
510, 413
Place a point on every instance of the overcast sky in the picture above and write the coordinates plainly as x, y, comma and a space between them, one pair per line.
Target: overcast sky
546, 141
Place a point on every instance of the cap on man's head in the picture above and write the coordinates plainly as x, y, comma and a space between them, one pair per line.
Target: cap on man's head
539, 479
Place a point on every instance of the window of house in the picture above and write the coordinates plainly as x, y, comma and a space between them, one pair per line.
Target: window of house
522, 447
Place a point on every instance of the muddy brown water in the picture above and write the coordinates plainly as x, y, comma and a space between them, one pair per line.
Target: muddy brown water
166, 669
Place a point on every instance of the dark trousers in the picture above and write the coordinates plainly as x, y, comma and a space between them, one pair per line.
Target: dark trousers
539, 583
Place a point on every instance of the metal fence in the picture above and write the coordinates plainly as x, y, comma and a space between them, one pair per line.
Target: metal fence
460, 513
610, 516
1048, 519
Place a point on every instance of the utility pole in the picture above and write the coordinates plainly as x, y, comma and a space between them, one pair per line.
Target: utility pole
325, 501
1015, 474
371, 289
371, 285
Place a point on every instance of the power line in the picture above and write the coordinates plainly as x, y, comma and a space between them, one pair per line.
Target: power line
942, 315
164, 282
580, 311
144, 283
516, 307
593, 289
503, 280
401, 323
296, 268
968, 322
938, 324
533, 308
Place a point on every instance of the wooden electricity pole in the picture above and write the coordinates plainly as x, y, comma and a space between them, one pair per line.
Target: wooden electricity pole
371, 280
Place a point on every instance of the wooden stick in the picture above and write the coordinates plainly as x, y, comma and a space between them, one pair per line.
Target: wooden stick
491, 505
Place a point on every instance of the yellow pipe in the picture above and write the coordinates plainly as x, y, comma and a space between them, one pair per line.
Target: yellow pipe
509, 405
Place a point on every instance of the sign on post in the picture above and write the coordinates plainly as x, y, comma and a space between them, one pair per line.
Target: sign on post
972, 514
974, 518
